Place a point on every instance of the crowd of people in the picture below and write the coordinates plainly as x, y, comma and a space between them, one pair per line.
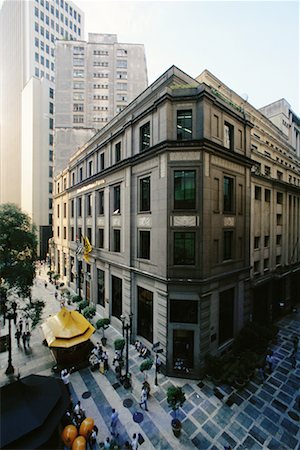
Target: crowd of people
98, 359
23, 332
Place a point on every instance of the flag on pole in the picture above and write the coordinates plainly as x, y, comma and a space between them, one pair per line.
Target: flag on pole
87, 249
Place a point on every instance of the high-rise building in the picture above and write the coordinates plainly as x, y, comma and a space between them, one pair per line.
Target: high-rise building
95, 80
28, 33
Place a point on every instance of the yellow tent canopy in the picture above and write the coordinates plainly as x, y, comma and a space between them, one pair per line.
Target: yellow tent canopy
66, 329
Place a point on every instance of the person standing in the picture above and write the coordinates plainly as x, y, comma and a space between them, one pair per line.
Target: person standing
18, 336
28, 336
113, 422
270, 361
134, 442
65, 377
20, 325
105, 360
144, 397
107, 443
92, 439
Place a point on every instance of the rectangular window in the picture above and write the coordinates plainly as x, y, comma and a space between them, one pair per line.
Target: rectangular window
257, 193
79, 205
57, 231
118, 152
144, 247
100, 287
267, 195
65, 232
228, 195
256, 242
72, 234
51, 93
50, 188
228, 135
279, 197
184, 311
184, 189
117, 199
58, 211
279, 219
65, 210
90, 168
145, 137
227, 245
268, 171
266, 241
116, 295
50, 171
184, 125
102, 161
101, 237
226, 315
145, 194
117, 241
89, 234
278, 239
101, 202
72, 208
51, 124
184, 248
89, 204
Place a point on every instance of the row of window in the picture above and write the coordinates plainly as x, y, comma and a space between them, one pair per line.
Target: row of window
40, 44
42, 73
266, 264
64, 5
44, 61
258, 191
257, 241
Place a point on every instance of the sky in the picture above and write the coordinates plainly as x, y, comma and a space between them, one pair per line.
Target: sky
251, 46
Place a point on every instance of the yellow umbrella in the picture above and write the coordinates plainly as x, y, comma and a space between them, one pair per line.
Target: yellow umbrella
66, 329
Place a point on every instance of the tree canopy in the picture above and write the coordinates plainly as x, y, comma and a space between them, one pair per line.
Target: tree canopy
18, 249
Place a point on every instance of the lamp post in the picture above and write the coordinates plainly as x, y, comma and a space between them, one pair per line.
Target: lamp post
126, 327
10, 315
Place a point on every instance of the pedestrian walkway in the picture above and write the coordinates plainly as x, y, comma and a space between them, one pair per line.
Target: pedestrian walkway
260, 416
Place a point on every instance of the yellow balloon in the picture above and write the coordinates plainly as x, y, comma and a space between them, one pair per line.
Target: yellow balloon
86, 427
69, 434
79, 443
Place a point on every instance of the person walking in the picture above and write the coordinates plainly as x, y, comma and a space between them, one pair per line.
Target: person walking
65, 377
18, 336
24, 339
92, 439
28, 336
105, 360
20, 325
113, 422
144, 397
134, 442
270, 361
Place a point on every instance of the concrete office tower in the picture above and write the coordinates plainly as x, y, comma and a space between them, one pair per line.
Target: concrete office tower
28, 32
95, 80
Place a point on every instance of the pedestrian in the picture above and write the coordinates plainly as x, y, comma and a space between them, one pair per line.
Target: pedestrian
113, 422
18, 336
45, 284
99, 350
134, 442
261, 371
105, 360
28, 336
144, 397
65, 377
92, 439
293, 360
26, 325
158, 364
24, 339
270, 361
20, 325
107, 443
56, 295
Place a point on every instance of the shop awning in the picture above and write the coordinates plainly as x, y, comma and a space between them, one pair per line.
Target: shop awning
66, 329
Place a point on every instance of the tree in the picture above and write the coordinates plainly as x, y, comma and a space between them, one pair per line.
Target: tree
18, 246
18, 253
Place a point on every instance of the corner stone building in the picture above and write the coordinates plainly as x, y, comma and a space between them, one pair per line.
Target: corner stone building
167, 211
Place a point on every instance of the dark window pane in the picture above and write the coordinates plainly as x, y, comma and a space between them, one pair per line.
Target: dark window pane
145, 194
144, 245
228, 203
183, 311
184, 248
101, 287
116, 243
116, 293
118, 152
145, 314
101, 238
145, 136
184, 189
226, 314
117, 203
183, 350
184, 124
227, 245
101, 202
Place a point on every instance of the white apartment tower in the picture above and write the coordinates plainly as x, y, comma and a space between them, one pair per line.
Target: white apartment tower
28, 34
95, 80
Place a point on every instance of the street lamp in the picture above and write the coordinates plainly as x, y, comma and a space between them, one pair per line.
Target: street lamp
126, 327
10, 314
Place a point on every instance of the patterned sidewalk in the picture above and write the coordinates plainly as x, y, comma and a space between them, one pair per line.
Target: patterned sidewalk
261, 416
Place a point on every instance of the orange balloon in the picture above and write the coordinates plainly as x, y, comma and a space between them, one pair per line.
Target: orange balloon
69, 434
86, 427
79, 443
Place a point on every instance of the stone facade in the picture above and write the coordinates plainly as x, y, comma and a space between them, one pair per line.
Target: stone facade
163, 194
